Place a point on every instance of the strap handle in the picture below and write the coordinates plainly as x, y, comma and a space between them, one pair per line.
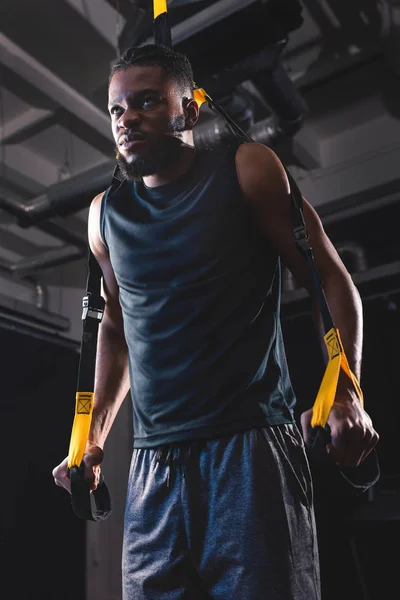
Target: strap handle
94, 506
93, 308
337, 359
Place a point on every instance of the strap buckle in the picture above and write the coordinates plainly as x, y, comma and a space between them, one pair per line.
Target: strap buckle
301, 238
93, 307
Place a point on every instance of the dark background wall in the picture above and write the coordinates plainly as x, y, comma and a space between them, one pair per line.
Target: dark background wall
358, 538
42, 543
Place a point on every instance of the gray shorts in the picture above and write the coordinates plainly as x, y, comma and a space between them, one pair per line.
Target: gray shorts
224, 519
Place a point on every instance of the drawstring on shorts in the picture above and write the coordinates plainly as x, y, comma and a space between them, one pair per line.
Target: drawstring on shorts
177, 456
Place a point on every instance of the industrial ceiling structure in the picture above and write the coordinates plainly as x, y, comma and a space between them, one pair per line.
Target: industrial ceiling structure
317, 80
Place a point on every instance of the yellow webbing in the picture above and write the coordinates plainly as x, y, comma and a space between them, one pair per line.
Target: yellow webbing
337, 357
159, 7
327, 391
200, 95
80, 428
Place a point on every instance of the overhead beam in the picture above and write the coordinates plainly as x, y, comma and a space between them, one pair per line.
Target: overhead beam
16, 59
25, 125
14, 183
17, 243
18, 160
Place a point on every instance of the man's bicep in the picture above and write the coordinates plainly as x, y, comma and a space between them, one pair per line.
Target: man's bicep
110, 288
264, 183
326, 257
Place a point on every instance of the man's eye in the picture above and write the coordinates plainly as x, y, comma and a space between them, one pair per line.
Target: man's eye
149, 101
115, 109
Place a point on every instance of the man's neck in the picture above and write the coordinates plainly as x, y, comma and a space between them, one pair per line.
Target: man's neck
174, 171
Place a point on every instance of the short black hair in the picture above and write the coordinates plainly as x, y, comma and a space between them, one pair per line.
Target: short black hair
176, 65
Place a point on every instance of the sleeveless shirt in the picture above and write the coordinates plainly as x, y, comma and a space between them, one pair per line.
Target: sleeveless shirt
200, 296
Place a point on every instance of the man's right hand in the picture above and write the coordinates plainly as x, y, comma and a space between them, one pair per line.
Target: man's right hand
92, 460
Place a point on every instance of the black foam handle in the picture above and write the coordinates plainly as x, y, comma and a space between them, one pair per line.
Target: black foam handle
91, 506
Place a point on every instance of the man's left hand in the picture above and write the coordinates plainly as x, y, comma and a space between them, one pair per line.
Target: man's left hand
352, 433
353, 436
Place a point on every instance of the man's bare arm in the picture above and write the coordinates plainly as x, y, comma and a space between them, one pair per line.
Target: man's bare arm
111, 377
266, 187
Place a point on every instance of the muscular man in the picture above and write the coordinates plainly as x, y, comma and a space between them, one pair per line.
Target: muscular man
219, 500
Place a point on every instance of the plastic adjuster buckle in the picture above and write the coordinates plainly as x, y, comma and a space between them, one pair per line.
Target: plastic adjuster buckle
93, 307
301, 238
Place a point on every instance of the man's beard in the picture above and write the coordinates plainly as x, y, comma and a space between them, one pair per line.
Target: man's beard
162, 155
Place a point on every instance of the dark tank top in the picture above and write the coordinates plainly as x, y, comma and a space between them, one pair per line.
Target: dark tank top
200, 293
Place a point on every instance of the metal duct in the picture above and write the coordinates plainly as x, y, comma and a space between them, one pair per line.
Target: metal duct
63, 198
51, 258
17, 209
238, 108
62, 233
287, 106
280, 93
268, 131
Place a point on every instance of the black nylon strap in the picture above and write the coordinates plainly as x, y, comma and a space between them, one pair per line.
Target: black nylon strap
93, 307
162, 30
299, 226
95, 506
303, 244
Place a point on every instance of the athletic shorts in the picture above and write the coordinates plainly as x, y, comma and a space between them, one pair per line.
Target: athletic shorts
224, 519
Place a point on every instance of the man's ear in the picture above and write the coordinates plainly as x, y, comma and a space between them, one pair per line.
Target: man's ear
191, 110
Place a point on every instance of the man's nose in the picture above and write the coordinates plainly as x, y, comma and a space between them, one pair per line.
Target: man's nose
129, 118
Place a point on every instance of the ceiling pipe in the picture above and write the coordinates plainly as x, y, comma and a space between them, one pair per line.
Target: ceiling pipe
16, 208
287, 106
60, 200
61, 233
269, 131
51, 258
64, 197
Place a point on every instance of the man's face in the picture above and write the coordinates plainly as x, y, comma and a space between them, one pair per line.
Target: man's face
147, 117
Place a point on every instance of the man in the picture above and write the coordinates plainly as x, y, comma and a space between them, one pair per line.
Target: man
219, 501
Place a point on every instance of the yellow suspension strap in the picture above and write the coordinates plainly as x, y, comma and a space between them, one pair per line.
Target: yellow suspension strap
162, 30
337, 357
367, 473
95, 506
340, 481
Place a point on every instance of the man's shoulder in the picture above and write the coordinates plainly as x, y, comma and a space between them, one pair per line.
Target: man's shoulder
217, 158
258, 166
